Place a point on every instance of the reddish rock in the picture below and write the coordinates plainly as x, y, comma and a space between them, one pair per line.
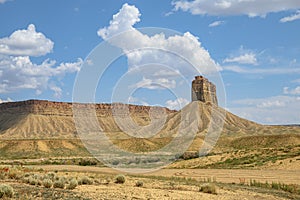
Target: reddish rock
203, 90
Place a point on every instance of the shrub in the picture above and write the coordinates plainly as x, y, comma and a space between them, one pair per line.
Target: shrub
139, 184
59, 184
6, 191
14, 174
120, 179
73, 184
2, 176
39, 182
47, 183
86, 181
51, 176
33, 181
87, 162
25, 180
208, 188
36, 176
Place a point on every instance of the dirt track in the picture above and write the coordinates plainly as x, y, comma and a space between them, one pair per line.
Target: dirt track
221, 175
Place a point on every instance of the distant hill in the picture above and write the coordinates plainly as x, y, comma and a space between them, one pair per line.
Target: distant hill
46, 120
39, 119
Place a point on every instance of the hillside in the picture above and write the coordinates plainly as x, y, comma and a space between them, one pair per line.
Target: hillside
36, 126
36, 119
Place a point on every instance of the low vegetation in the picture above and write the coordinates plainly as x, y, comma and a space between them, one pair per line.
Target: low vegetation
120, 179
208, 188
59, 184
6, 191
73, 184
47, 183
66, 182
291, 188
139, 184
85, 181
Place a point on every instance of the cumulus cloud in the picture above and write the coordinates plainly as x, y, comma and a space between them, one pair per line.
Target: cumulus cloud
216, 23
19, 73
247, 58
26, 42
57, 91
159, 48
291, 18
122, 21
137, 100
177, 104
269, 110
7, 100
159, 83
251, 8
267, 71
295, 91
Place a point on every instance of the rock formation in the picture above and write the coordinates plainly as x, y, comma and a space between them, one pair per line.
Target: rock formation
203, 90
44, 107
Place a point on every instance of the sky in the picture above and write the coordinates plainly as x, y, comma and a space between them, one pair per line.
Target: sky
249, 48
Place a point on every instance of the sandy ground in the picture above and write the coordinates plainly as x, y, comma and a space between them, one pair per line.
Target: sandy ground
221, 175
131, 192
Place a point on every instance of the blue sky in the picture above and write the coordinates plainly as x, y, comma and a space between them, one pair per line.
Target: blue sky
254, 46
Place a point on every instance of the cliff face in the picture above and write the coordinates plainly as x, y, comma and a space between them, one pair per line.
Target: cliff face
43, 107
203, 90
46, 119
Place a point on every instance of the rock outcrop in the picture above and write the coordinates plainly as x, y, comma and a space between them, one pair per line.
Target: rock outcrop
203, 90
44, 107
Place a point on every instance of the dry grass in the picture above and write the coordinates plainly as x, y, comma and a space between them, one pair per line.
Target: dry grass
209, 188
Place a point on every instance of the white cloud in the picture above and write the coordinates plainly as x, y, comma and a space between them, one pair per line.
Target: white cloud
269, 71
291, 18
3, 1
251, 8
7, 100
177, 104
296, 81
247, 58
20, 73
89, 62
57, 91
271, 103
295, 91
137, 100
26, 42
152, 84
216, 23
270, 110
141, 48
122, 21
166, 73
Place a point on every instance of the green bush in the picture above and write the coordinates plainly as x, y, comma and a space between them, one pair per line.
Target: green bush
6, 191
50, 176
33, 181
87, 162
208, 188
47, 183
25, 180
85, 181
120, 179
59, 184
73, 184
139, 184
